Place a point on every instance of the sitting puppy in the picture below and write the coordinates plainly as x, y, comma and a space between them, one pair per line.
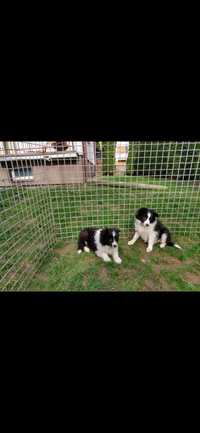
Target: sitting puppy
103, 242
151, 230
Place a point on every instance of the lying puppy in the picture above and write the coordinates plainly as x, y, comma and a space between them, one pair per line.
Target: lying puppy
103, 242
151, 230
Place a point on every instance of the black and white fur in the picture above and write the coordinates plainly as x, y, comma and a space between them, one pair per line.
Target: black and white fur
103, 242
151, 230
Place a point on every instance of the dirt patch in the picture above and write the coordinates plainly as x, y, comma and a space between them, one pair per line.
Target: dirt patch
173, 261
167, 263
127, 274
160, 285
85, 280
189, 262
192, 278
27, 265
104, 274
157, 268
146, 257
100, 275
149, 285
129, 278
69, 248
165, 287
42, 277
105, 279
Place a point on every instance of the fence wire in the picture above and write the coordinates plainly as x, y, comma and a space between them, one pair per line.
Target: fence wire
51, 190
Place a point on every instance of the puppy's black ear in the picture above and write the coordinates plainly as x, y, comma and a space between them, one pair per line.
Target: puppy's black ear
137, 214
154, 213
117, 230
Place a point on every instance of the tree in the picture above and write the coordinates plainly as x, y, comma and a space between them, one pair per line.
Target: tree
98, 145
176, 160
108, 157
130, 164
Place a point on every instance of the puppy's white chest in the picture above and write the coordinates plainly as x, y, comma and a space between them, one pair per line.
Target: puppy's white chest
144, 232
106, 249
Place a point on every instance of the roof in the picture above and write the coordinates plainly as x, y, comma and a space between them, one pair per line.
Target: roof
39, 156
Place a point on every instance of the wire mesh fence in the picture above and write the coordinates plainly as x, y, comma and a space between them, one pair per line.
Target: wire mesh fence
51, 190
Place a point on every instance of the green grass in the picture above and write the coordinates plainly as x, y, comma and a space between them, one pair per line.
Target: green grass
26, 233
76, 207
161, 270
171, 184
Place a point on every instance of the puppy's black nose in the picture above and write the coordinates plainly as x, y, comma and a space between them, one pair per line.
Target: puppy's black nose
114, 246
147, 225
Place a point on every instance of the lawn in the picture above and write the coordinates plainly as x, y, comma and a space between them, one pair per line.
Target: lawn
170, 183
161, 270
75, 207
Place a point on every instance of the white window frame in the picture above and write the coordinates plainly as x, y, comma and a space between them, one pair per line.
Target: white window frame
20, 178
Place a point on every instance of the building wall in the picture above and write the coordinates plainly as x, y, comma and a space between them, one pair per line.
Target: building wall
4, 177
47, 175
57, 174
52, 174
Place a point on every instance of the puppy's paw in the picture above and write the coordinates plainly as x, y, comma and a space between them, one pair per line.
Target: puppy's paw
118, 260
79, 251
106, 259
130, 242
149, 249
162, 245
86, 249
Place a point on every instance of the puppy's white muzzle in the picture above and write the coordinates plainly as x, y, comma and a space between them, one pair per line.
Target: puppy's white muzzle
114, 244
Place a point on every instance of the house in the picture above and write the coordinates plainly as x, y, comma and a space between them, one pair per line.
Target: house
45, 162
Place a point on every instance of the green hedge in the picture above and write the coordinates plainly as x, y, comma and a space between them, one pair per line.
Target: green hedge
108, 157
163, 160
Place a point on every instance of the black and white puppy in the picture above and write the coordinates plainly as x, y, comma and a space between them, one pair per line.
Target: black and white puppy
151, 230
103, 242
